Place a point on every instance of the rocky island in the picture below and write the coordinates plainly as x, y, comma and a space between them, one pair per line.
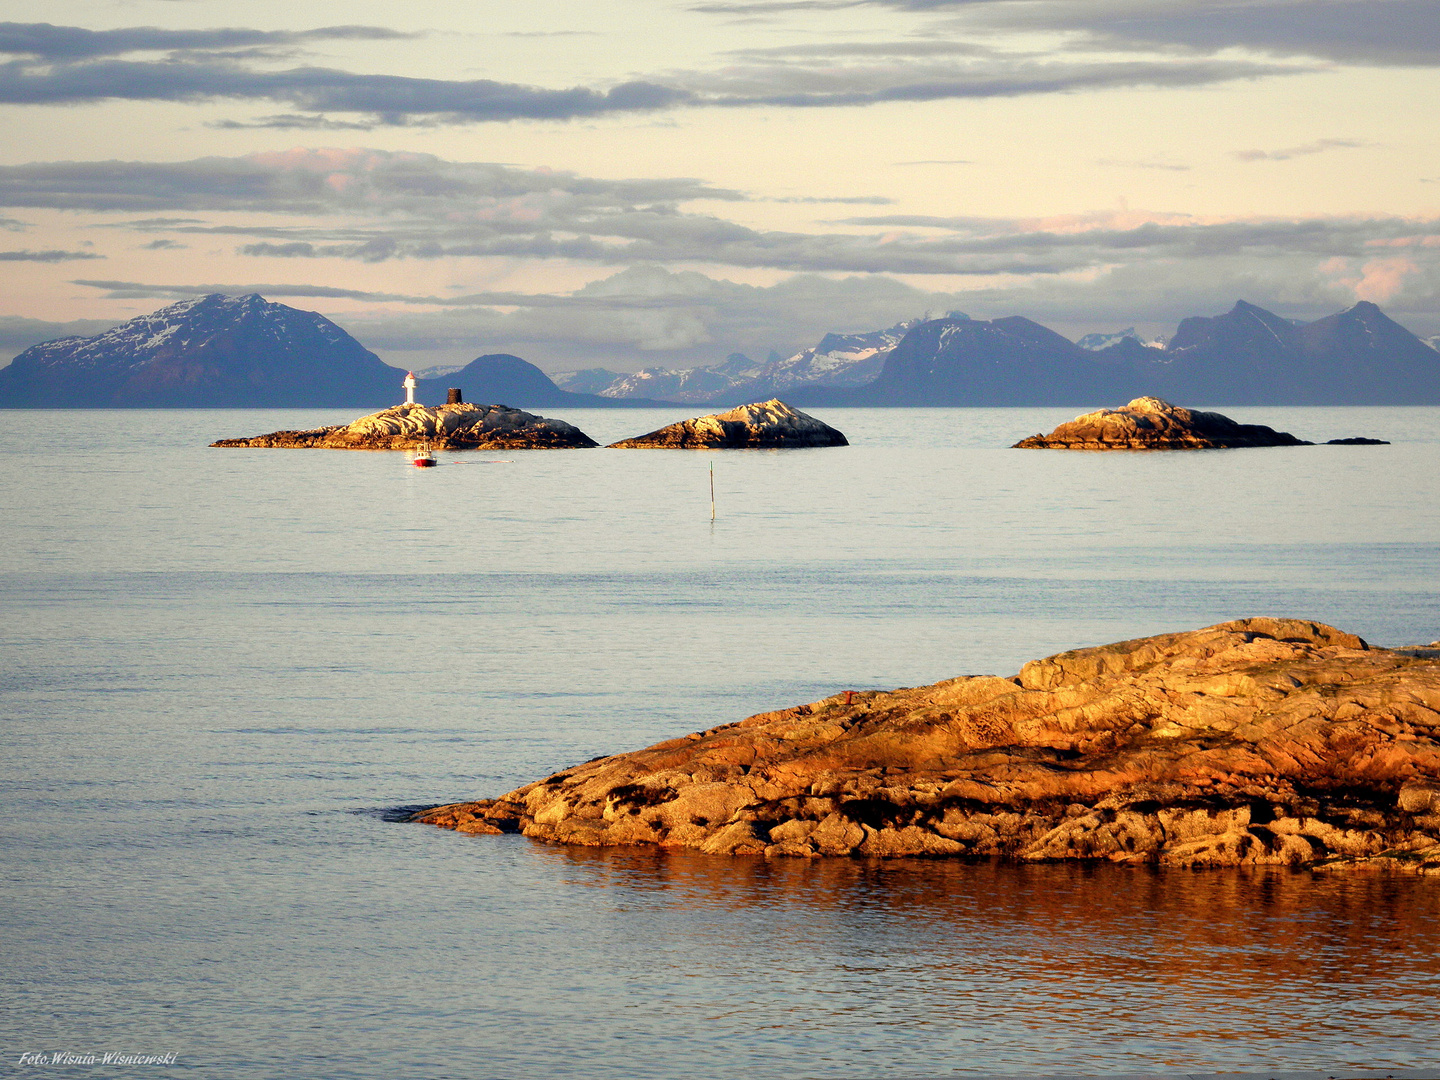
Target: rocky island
1148, 423
444, 427
761, 425
1263, 740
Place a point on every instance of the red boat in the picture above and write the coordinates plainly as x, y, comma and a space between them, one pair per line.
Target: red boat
424, 459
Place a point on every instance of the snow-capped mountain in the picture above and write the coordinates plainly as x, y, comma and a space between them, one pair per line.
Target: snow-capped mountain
587, 380
212, 351
690, 385
838, 360
1433, 342
1096, 342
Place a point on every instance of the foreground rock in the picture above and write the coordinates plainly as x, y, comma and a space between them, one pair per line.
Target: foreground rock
1148, 423
764, 425
445, 427
1255, 741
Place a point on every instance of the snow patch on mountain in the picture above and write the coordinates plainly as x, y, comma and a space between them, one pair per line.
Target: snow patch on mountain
1096, 342
837, 360
180, 327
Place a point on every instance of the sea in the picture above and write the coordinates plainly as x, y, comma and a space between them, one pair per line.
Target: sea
226, 676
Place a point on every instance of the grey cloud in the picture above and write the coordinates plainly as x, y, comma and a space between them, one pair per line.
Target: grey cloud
421, 207
45, 41
164, 245
17, 334
390, 99
296, 122
1318, 147
825, 85
1182, 239
1383, 32
1356, 31
137, 290
320, 182
375, 206
46, 256
1373, 32
912, 48
833, 75
651, 315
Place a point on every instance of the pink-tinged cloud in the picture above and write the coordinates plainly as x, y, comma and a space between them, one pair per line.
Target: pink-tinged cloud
1379, 281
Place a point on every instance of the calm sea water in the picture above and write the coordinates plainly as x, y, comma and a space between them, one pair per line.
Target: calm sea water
223, 673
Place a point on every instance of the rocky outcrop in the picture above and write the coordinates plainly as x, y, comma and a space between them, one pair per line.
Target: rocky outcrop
444, 427
762, 425
1262, 740
1148, 423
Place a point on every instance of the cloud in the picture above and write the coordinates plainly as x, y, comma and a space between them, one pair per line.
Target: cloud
43, 41
817, 79
69, 65
348, 181
46, 256
18, 334
1317, 147
377, 206
673, 316
1379, 280
1374, 32
374, 206
1367, 32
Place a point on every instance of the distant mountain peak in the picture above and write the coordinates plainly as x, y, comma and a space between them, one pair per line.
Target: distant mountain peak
216, 350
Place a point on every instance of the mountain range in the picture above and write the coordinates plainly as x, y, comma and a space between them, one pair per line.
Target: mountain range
223, 351
844, 360
1248, 356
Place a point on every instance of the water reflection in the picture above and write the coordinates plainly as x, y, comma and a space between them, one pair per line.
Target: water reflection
1169, 965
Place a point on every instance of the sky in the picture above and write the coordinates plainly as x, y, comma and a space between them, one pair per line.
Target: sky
665, 182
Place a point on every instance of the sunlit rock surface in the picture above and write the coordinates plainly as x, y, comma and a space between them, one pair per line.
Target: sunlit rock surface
1270, 741
762, 425
445, 427
1148, 423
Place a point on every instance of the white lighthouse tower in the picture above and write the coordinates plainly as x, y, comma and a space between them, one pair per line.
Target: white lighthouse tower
410, 388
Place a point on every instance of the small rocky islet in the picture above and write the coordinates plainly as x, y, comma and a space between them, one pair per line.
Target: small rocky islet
445, 427
1256, 741
1148, 423
760, 425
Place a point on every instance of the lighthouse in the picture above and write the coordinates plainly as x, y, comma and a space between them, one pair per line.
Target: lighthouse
410, 388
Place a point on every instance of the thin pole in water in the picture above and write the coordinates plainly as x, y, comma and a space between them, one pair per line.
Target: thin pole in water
712, 491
